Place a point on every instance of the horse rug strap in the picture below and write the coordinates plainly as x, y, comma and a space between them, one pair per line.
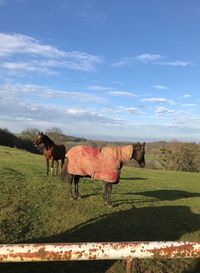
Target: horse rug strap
98, 163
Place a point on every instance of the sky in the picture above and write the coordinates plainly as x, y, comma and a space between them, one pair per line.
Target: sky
101, 69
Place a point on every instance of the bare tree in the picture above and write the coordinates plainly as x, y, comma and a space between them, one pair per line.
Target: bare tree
30, 133
56, 134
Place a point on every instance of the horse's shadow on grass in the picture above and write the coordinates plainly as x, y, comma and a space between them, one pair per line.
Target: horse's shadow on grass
85, 196
157, 195
169, 195
133, 178
167, 223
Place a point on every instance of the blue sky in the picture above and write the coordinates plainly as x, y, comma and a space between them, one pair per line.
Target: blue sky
125, 70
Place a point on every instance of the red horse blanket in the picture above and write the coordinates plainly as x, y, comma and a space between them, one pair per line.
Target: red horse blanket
98, 163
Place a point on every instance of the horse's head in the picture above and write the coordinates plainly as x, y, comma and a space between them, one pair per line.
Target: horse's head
138, 153
39, 139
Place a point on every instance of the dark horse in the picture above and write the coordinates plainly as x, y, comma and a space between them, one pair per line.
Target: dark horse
51, 151
100, 163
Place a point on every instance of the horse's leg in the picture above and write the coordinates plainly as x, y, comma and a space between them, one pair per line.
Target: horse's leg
52, 164
107, 194
57, 167
70, 182
76, 181
62, 163
47, 167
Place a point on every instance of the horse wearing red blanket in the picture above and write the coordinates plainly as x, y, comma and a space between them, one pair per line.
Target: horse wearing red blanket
100, 163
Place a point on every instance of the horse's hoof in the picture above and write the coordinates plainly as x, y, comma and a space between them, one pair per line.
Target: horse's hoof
79, 197
109, 204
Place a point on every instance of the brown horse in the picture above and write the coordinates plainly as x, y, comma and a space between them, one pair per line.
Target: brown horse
100, 163
51, 151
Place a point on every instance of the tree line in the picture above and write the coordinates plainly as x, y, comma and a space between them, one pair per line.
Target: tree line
172, 155
11, 140
25, 139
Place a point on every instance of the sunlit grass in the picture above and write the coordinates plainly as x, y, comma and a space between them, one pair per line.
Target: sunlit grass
149, 205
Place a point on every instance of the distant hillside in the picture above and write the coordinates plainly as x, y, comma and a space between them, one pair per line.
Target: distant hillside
62, 138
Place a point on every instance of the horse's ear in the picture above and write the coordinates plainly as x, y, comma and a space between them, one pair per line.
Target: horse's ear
143, 144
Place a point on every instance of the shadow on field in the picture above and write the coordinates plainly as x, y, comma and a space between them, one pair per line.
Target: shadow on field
163, 195
133, 178
197, 267
169, 195
142, 224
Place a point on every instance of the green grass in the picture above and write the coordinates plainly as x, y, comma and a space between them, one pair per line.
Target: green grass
149, 205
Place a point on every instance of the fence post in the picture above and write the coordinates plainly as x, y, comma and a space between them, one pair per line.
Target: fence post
129, 265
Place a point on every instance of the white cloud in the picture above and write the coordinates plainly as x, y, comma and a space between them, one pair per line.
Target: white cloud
187, 96
158, 100
189, 105
120, 94
155, 59
124, 62
148, 57
160, 87
27, 105
18, 91
99, 88
24, 67
131, 110
110, 91
163, 110
160, 60
53, 113
175, 63
22, 44
41, 57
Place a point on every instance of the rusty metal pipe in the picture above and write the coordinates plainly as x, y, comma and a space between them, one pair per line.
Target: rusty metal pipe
98, 251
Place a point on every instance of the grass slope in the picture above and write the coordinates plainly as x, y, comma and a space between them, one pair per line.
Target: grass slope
149, 205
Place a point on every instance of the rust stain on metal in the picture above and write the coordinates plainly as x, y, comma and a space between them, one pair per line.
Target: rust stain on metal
100, 251
177, 251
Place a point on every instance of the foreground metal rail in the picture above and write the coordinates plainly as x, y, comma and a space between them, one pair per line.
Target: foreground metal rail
98, 251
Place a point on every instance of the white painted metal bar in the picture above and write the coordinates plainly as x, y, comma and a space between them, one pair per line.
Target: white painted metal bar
98, 251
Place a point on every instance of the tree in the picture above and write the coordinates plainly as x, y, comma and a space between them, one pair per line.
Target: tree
180, 156
190, 158
56, 134
30, 133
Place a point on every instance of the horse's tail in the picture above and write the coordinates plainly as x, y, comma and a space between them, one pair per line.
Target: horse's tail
64, 172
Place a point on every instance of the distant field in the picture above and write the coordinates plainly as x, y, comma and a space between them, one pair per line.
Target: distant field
149, 205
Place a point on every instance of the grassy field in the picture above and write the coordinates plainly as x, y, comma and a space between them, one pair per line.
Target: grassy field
149, 205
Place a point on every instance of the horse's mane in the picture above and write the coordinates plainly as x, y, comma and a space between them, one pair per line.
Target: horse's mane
48, 141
